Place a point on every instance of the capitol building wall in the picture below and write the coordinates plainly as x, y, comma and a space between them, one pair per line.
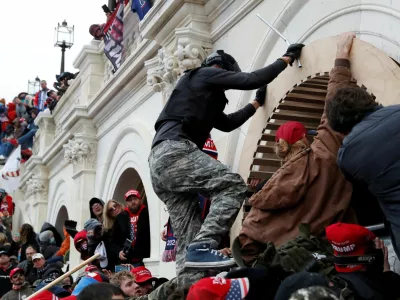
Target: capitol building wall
97, 142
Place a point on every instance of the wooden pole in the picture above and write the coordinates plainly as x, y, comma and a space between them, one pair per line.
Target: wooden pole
61, 278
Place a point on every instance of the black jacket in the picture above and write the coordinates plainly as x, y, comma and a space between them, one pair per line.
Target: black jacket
57, 236
48, 250
32, 241
369, 155
27, 266
373, 285
197, 103
51, 271
116, 237
5, 283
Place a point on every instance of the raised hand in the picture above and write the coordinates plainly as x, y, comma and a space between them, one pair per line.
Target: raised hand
344, 44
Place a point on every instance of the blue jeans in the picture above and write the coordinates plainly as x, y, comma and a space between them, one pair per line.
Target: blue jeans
26, 141
6, 149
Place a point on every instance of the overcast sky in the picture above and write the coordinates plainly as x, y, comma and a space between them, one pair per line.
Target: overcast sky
27, 39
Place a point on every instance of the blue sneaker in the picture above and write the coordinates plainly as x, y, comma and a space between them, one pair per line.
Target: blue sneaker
201, 256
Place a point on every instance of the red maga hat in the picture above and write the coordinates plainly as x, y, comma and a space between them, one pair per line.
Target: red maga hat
132, 193
349, 240
15, 271
142, 274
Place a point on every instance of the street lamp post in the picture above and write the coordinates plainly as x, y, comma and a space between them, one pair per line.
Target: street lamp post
64, 38
33, 86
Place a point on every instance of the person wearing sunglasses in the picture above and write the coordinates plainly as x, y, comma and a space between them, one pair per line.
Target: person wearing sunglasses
20, 288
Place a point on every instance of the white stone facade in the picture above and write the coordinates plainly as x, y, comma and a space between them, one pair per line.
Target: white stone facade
104, 124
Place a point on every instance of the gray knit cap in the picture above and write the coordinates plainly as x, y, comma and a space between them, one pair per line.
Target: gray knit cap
46, 236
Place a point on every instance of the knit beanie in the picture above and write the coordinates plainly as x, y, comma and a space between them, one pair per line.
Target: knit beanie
47, 236
93, 228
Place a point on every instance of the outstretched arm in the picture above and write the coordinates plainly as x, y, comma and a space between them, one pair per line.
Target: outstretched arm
223, 79
340, 76
234, 120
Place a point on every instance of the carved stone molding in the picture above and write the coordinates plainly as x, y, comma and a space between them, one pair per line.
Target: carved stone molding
164, 71
190, 56
80, 154
36, 186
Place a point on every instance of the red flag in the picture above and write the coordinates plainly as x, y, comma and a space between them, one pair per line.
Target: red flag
45, 295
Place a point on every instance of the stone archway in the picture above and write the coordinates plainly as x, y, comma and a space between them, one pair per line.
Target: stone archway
62, 216
129, 179
303, 103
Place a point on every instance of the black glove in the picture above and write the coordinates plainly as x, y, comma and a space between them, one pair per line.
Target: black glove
294, 52
261, 94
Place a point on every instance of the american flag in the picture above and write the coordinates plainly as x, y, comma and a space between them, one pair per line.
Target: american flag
239, 289
114, 35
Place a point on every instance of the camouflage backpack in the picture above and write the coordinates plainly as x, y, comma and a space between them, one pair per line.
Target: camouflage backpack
303, 253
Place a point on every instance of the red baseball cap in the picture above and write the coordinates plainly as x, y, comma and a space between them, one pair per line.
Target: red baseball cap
16, 270
216, 288
348, 240
91, 268
291, 132
132, 193
142, 274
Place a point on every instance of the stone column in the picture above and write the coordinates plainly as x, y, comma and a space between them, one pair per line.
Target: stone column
91, 64
36, 196
44, 137
81, 152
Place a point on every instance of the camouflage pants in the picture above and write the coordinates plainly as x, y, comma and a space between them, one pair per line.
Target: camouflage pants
179, 172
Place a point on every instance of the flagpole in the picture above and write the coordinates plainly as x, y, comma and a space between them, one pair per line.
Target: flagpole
66, 275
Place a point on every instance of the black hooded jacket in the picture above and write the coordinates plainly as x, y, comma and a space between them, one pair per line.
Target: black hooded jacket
57, 236
5, 283
197, 103
91, 202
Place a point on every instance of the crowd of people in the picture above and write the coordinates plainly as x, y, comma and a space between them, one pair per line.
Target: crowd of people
17, 118
301, 238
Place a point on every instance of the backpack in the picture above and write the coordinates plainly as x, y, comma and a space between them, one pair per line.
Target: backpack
304, 253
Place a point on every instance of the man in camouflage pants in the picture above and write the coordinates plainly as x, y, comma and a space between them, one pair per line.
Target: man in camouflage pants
180, 170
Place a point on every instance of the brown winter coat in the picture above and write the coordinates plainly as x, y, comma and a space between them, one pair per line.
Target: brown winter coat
309, 188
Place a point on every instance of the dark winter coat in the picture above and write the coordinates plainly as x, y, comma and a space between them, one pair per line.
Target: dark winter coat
369, 156
51, 269
31, 241
5, 283
48, 250
27, 266
57, 236
114, 239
